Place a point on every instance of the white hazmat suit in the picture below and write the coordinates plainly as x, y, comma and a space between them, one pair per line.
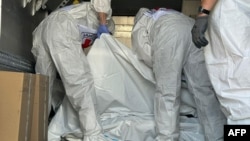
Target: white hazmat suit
162, 39
57, 48
227, 58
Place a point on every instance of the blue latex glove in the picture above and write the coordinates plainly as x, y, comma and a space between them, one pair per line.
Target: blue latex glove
102, 29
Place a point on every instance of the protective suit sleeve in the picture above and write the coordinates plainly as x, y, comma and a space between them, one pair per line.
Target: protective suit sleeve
140, 41
102, 6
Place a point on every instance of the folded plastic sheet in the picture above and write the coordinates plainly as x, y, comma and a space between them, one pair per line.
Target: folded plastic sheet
124, 98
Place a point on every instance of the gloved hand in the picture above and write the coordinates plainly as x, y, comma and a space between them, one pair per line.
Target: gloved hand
199, 30
102, 29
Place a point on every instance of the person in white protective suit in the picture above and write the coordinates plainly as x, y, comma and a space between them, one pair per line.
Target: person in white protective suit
227, 53
57, 48
161, 38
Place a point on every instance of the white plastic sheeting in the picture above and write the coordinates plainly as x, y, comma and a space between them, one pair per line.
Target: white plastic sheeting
124, 98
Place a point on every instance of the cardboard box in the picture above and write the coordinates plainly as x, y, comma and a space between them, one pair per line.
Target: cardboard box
39, 127
16, 102
23, 106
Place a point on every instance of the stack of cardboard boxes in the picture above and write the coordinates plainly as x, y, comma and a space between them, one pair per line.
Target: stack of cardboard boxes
23, 106
123, 28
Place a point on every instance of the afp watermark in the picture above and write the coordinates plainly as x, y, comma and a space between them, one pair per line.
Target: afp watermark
236, 132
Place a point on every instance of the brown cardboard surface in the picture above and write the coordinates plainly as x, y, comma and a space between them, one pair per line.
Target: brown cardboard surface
16, 103
39, 127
